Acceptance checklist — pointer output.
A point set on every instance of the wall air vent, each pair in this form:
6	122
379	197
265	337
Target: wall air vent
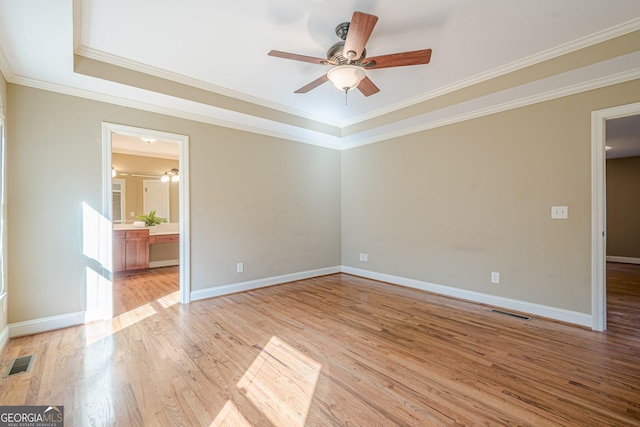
519	316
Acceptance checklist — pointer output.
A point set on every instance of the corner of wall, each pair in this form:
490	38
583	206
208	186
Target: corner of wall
4	337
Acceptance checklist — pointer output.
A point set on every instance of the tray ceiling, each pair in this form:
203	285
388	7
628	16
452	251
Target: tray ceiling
207	61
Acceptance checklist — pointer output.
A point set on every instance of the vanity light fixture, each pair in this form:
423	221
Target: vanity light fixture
113	172
172	175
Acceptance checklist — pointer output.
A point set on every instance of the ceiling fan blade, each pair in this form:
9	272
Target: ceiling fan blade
314	84
360	29
367	87
296	57
415	57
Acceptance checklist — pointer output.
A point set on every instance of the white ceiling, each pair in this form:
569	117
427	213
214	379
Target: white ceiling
149	146
221	48
623	136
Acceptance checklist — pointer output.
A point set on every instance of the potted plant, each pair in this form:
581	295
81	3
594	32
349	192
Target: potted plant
151	219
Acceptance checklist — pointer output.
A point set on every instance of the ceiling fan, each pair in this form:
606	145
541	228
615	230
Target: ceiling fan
349	57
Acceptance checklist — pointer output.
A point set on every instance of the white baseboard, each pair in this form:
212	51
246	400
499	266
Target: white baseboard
4	337
164	263
624	259
560	314
260	283
45	324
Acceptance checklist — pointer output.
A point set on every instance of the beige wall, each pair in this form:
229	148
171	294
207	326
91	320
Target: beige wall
3	96
450	205
446	206
623	207
134	184
270	203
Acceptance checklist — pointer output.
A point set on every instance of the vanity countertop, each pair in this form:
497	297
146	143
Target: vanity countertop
158	230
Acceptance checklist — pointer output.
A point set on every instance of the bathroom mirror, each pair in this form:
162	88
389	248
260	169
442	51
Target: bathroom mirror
140	176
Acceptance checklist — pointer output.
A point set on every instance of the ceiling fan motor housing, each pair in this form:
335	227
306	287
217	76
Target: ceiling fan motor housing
342	30
334	55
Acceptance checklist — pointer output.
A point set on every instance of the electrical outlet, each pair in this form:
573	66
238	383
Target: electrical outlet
132	214
495	277
559	212
240	267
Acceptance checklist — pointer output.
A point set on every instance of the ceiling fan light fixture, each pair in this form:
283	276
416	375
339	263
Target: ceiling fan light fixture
346	77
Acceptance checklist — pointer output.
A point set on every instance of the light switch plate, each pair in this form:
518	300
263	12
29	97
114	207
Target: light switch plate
559	212
240	267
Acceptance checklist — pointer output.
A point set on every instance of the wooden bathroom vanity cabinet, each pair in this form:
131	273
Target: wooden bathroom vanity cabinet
131	247
130	250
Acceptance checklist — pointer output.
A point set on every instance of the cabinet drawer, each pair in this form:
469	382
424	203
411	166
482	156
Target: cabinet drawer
164	238
119	234
137	233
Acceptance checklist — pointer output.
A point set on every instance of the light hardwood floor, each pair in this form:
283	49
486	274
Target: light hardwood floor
132	290
333	351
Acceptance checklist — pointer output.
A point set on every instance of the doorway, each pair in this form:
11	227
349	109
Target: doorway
599	208
111	131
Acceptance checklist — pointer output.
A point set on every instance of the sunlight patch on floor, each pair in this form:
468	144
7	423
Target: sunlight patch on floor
96	331
230	416
280	383
169	300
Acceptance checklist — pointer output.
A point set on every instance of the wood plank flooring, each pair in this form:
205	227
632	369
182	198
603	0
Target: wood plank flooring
337	351
132	290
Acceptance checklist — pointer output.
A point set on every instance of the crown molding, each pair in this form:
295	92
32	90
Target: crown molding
581	43
5	66
498	108
323	140
77	23
311	138
275	129
97	55
566	48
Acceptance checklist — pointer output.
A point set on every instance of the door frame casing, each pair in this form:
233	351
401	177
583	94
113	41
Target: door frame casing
599	209
183	141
